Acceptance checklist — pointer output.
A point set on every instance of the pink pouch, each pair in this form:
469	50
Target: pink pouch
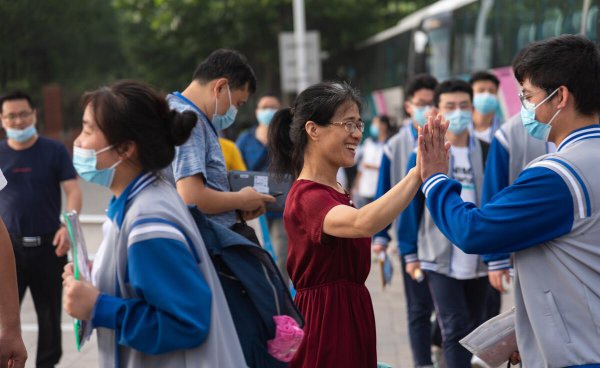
288	336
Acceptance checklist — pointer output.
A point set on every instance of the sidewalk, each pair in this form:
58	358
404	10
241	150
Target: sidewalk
390	316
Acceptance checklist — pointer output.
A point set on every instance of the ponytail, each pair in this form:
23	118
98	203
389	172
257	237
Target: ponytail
281	147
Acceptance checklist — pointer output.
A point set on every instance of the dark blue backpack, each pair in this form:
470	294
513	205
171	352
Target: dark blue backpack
253	286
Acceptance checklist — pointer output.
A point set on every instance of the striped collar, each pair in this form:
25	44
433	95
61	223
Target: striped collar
588	132
116	207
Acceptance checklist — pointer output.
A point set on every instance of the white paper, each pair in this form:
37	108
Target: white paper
261	183
495	340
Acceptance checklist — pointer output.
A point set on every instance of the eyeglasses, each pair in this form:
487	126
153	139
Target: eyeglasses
21	115
351	126
525	98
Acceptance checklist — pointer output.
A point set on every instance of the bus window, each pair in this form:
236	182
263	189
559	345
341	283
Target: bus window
438	48
592	24
572	24
551	25
525	35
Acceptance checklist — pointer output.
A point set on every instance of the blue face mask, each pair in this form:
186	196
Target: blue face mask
84	161
21	135
264	116
535	128
485	103
221	122
459	120
420	114
374	130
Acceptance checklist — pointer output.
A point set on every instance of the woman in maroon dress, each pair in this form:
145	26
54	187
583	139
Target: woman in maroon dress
329	240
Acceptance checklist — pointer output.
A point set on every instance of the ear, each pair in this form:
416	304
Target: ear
127	150
408	108
564	96
219	85
312	129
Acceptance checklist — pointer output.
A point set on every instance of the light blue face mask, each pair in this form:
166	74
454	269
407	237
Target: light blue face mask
374	130
420	114
535	128
84	161
485	102
264	116
21	135
459	120
221	122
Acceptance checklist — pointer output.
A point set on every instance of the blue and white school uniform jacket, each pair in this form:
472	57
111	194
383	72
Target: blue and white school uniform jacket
511	150
550	216
161	302
418	235
396	153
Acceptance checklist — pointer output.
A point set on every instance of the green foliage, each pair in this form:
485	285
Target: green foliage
72	43
84	44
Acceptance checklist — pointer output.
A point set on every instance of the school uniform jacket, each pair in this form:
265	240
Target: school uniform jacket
550	218
162	304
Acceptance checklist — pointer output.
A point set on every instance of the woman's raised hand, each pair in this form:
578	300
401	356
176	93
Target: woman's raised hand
433	148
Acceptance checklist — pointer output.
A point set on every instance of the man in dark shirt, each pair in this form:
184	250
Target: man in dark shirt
36	168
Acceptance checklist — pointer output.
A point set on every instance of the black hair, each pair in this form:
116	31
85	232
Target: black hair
287	137
418	82
484	76
387	121
268	94
450	86
131	111
16	95
568	60
229	64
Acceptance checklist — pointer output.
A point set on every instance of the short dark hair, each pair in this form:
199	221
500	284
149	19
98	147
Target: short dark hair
229	64
418	82
484	76
451	86
287	137
130	111
567	60
15	95
268	94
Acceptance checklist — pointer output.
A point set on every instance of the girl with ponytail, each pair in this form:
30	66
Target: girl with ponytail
329	239
154	297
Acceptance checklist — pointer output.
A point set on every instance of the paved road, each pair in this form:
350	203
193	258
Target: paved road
389	305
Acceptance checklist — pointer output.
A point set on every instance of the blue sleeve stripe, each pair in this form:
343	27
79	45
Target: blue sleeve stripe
580	190
171	225
432	181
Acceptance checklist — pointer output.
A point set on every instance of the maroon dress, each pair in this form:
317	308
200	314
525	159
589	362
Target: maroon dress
329	276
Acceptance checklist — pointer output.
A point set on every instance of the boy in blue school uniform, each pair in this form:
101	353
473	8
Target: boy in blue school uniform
550	216
458	281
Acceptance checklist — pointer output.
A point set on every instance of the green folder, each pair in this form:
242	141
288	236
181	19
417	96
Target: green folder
81	270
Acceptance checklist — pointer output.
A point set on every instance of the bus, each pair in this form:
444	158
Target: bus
453	38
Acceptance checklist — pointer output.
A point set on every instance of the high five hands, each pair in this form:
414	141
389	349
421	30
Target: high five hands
433	153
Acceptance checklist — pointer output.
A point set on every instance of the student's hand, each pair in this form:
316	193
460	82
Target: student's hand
495	278
79	298
433	149
250	215
61	242
68	270
377	248
515	358
413	269
12	349
251	200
